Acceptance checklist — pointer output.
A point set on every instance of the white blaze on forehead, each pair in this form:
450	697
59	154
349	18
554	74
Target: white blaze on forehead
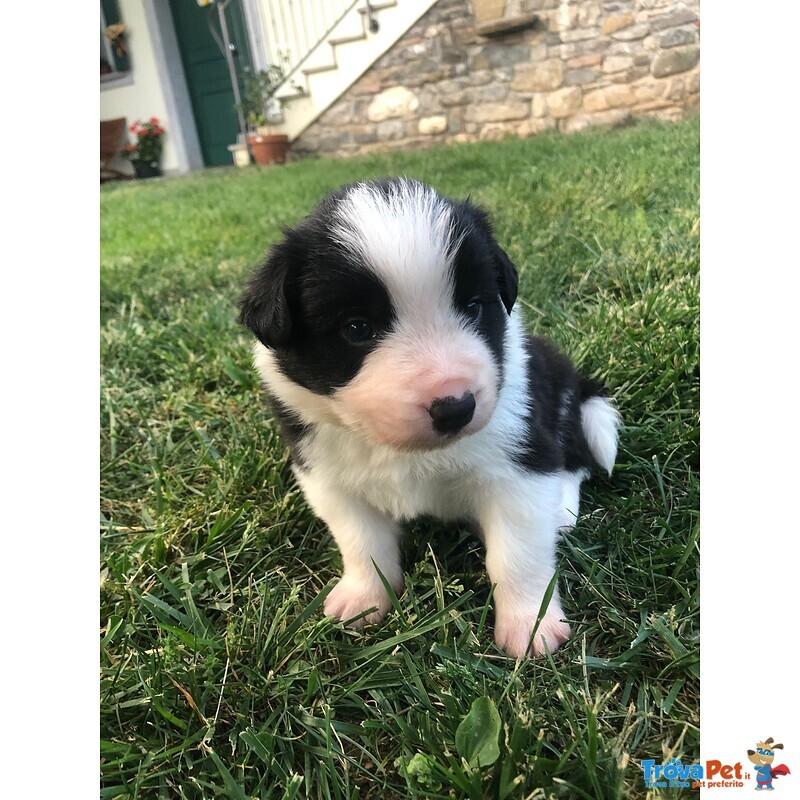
403	233
405	237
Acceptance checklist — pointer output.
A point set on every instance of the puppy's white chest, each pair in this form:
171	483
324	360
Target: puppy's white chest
402	485
405	496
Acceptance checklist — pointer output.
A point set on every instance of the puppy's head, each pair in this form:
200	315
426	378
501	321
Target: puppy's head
385	311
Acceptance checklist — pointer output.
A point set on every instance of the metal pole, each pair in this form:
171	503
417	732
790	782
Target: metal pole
228	53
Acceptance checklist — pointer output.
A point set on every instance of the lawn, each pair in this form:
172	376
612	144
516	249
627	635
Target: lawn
220	676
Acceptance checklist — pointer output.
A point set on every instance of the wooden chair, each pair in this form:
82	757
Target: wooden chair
111	134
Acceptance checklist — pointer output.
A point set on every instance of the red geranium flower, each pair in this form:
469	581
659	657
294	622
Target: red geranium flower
148	146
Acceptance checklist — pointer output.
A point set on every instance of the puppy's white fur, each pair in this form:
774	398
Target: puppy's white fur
374	459
600	421
363	489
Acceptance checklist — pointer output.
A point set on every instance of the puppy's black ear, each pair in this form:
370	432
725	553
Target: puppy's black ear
506	272
507	278
266	307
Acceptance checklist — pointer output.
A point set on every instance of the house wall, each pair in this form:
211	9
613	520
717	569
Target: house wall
583	63
143	97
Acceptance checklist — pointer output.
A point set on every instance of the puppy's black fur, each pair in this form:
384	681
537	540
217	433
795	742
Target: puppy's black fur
309	286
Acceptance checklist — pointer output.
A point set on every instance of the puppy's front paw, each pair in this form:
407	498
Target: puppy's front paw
513	633
351	598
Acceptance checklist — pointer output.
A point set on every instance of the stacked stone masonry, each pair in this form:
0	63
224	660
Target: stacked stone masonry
580	63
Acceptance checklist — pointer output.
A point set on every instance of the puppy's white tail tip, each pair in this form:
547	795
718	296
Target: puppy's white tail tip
600	421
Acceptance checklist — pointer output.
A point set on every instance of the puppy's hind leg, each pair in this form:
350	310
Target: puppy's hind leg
366	538
571	497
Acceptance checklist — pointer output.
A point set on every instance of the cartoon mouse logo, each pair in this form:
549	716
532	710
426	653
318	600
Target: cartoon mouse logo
762	757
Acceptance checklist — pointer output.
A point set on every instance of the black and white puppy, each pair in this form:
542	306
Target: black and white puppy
404	384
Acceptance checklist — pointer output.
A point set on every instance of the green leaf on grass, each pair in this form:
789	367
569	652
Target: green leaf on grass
478	734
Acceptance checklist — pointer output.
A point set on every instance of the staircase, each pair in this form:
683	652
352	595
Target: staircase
320	70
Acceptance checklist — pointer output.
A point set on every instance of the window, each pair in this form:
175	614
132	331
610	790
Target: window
114	59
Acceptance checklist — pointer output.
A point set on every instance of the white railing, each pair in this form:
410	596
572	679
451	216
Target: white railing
293	28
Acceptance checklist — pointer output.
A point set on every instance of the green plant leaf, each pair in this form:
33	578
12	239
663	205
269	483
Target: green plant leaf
478	734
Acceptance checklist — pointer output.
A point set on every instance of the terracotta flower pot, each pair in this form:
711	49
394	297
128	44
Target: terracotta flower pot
270	149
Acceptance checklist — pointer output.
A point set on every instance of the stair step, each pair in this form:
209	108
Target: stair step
350	29
286	93
378	6
346	39
321	59
317	69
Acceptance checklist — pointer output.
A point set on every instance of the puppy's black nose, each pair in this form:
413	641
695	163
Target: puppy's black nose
450	415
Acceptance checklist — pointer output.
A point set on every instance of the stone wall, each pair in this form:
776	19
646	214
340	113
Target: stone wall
560	64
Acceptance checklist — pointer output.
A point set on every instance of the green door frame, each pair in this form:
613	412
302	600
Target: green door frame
182	128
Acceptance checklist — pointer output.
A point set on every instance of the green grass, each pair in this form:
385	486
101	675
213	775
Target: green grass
220	675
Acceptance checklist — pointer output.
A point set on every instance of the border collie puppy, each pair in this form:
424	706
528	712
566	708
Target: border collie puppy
404	384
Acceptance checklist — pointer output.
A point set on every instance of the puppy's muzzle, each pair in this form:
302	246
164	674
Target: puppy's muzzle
450	414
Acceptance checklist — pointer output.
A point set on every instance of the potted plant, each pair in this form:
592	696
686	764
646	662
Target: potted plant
145	155
258	99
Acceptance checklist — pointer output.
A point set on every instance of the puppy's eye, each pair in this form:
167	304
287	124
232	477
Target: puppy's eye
358	331
474	310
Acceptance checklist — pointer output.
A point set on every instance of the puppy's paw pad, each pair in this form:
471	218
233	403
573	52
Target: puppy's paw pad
514	636
349	599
